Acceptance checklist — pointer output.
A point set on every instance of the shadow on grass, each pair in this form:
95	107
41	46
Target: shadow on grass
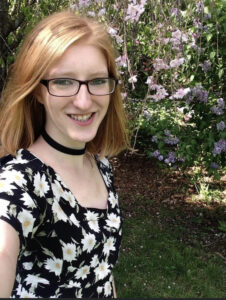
172	245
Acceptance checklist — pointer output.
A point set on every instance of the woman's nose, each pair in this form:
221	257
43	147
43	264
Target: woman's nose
83	99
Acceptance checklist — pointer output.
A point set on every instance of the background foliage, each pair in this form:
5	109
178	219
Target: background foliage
170	60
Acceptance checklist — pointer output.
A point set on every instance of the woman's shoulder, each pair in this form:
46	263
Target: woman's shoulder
21	161
19	168
104	163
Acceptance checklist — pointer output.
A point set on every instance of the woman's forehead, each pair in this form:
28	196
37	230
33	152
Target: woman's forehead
81	58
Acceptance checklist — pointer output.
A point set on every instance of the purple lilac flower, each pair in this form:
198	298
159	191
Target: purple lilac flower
135	11
160	64
171	158
160	157
154	139
102	12
221	126
176	12
150	81
206	66
91	14
219	108
171	141
199	7
147	114
180	93
216	110
207	16
161	93
221	103
133	79
156	153
121	61
176	62
219	147
84	3
199	93
197	23
214	165
167	132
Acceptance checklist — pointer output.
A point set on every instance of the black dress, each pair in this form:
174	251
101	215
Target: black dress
66	250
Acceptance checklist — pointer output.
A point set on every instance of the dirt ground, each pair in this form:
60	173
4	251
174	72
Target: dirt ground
138	178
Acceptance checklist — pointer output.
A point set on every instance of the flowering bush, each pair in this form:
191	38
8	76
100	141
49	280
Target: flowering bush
170	61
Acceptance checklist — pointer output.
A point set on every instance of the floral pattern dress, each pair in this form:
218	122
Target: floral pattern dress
66	250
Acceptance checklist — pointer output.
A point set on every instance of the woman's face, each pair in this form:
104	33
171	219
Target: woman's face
74	121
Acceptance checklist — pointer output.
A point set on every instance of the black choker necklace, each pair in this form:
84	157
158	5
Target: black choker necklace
60	147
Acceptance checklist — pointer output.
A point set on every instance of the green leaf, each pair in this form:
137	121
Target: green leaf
192	78
209	37
212	54
220	73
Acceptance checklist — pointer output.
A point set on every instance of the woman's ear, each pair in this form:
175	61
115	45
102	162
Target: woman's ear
38	94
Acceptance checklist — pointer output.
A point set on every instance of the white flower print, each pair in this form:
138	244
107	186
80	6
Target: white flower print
57	189
69	197
58	212
82	272
26	294
28	265
41	185
54	265
19	158
92	219
113	221
107	179
105	161
113	199
79	294
69	252
102	270
74	284
109	245
28	201
27	221
4	207
89	235
107	289
99	289
95	261
19	289
34	280
88	242
6	186
74	220
15	176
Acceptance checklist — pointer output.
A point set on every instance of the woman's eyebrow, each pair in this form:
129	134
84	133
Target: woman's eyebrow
74	75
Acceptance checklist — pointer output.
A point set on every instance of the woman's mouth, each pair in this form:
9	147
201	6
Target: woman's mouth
82	119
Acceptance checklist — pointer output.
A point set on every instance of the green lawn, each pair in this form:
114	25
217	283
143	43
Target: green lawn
155	262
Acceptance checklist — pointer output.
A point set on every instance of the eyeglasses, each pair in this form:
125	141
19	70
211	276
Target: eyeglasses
67	87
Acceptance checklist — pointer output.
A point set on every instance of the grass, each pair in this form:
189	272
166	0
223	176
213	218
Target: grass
155	262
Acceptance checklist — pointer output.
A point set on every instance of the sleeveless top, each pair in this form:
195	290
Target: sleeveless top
66	250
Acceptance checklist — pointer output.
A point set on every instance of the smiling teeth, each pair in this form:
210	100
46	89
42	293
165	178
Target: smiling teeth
81	117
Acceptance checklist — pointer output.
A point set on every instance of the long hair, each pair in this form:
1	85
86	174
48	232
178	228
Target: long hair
22	116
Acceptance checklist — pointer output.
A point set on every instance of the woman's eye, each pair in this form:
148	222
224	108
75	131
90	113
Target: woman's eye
63	82
99	81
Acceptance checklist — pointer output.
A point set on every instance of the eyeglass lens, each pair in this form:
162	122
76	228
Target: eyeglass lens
69	87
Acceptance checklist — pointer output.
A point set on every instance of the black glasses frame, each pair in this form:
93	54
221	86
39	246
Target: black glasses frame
45	82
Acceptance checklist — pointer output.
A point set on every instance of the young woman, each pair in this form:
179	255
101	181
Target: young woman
61	116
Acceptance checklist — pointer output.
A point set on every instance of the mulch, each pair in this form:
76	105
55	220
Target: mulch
143	186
